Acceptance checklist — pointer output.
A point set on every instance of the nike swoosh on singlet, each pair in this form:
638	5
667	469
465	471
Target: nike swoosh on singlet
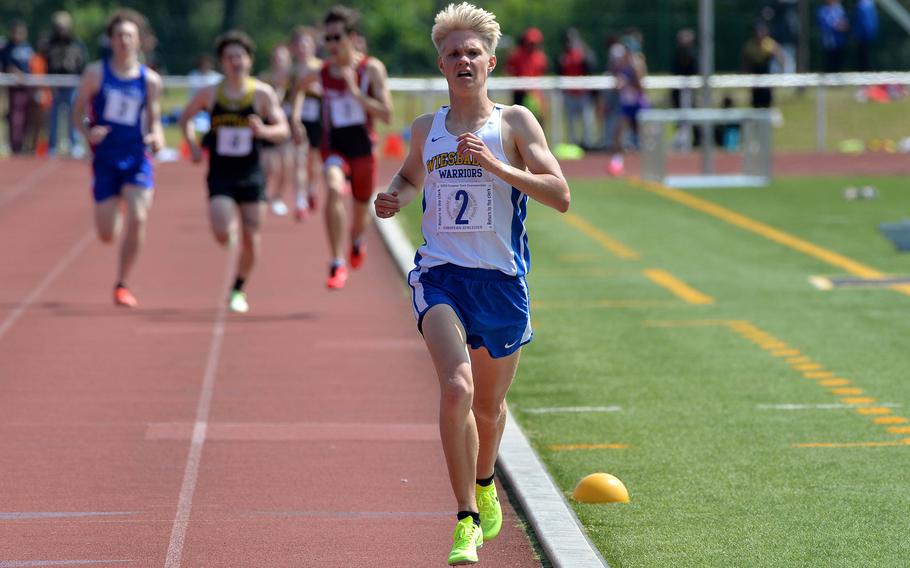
437	138
509	345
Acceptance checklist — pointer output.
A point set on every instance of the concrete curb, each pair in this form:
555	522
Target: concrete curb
557	528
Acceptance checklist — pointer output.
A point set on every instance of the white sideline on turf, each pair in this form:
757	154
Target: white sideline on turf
557	528
570	409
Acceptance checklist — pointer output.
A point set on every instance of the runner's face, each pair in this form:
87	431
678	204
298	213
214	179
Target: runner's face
464	60
338	43
235	61
125	39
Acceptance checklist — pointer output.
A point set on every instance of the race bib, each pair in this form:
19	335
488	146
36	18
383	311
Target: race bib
121	108
346	111
464	207
234	141
310	111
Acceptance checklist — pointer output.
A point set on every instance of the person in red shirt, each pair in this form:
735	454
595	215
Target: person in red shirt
528	60
354	94
576	61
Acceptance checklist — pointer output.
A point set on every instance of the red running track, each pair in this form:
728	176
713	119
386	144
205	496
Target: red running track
300	434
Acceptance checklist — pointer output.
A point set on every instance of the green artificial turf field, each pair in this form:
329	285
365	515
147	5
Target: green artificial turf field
764	428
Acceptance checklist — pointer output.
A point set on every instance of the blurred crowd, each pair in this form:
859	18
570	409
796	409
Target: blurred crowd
37	118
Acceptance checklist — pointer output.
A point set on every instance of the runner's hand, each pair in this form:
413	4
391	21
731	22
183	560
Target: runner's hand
97	134
195	152
256	125
387	205
470	145
154	141
350	78
297	133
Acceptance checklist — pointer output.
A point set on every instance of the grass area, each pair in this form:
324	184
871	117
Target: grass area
715	477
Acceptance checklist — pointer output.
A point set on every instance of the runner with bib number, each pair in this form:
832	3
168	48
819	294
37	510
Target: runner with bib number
354	93
245	112
477	162
124	115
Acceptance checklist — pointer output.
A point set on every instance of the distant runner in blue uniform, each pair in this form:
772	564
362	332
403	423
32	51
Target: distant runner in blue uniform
124	117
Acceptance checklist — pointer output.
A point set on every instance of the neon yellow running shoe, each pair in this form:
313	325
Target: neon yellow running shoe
238	303
490	511
468	538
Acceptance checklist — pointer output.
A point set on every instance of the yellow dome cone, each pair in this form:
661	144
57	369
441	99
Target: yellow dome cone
601	488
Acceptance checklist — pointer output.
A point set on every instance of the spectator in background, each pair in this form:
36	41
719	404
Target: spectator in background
833	23
577	60
632	98
528	60
684	64
783	22
865	30
16	58
758	54
39	104
610	111
65	55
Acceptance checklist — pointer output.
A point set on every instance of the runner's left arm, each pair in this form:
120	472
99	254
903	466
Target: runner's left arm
275	127
542	178
155	136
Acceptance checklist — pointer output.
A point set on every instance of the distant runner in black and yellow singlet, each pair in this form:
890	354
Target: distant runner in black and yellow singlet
245	112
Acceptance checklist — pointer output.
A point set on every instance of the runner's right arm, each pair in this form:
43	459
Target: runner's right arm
201	101
88	88
406	184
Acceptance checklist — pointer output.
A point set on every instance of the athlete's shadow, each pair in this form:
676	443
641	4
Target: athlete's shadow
157	315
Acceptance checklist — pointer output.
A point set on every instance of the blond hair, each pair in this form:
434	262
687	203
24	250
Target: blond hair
466	16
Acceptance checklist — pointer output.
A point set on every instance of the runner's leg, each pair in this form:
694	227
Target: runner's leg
138	203
335	213
445	338
492	378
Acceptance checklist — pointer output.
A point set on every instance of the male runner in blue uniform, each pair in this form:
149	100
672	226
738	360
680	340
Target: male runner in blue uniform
124	117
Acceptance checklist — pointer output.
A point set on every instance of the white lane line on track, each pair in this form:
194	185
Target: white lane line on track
29	181
203	409
61	265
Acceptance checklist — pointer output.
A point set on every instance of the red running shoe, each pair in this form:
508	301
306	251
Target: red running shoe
337	277
358	255
123	297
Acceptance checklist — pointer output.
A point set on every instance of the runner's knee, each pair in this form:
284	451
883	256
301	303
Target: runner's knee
489	413
457	391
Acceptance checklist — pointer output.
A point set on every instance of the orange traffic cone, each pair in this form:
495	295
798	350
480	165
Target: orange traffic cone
394	147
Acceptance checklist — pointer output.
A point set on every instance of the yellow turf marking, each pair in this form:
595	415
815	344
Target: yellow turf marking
767	231
834	383
808	367
773	345
891	420
677	287
847	391
899	429
797	360
858	400
818	374
785	353
603	239
854	444
874	410
568	447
